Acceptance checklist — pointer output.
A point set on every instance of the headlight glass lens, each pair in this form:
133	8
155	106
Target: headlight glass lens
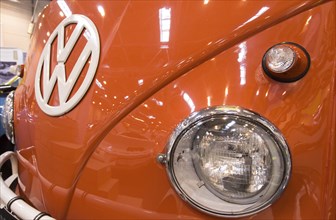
228	161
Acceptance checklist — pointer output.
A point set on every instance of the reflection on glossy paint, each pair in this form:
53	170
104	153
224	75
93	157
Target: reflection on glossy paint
140	82
226	93
308	20
266	95
99	84
260	12
242	60
209	100
206	2
101	10
64	7
138	119
159	103
165	19
189	101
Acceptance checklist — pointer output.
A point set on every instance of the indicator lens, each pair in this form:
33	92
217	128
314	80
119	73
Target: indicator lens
286	62
280	58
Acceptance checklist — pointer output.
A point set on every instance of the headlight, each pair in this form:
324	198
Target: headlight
8	116
228	161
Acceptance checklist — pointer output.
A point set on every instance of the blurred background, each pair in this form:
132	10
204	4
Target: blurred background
15	17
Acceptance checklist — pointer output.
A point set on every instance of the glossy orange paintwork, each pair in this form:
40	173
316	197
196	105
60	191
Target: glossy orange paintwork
99	160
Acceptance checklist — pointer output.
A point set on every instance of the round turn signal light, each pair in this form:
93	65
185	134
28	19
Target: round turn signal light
286	62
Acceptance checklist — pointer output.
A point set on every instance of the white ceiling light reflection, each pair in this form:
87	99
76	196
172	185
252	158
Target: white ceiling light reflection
226	93
308	20
165	20
101	10
209	100
140	82
64	7
158	102
260	12
206	2
189	101
99	84
242	60
230	124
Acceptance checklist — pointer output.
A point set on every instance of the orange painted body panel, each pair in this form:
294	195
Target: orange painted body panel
99	159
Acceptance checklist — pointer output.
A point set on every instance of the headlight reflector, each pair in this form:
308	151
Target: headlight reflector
228	161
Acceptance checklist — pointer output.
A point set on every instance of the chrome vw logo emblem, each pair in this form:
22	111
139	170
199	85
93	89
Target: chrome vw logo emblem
45	81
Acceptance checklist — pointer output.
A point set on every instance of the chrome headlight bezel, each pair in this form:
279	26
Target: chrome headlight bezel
197	119
7	119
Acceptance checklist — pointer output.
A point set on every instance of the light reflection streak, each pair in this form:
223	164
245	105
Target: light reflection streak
99	84
64	7
101	10
189	101
230	124
138	119
226	93
242	60
209	100
260	12
308	20
158	102
165	20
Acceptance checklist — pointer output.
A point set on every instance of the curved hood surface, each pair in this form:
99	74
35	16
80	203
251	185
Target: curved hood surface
142	47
